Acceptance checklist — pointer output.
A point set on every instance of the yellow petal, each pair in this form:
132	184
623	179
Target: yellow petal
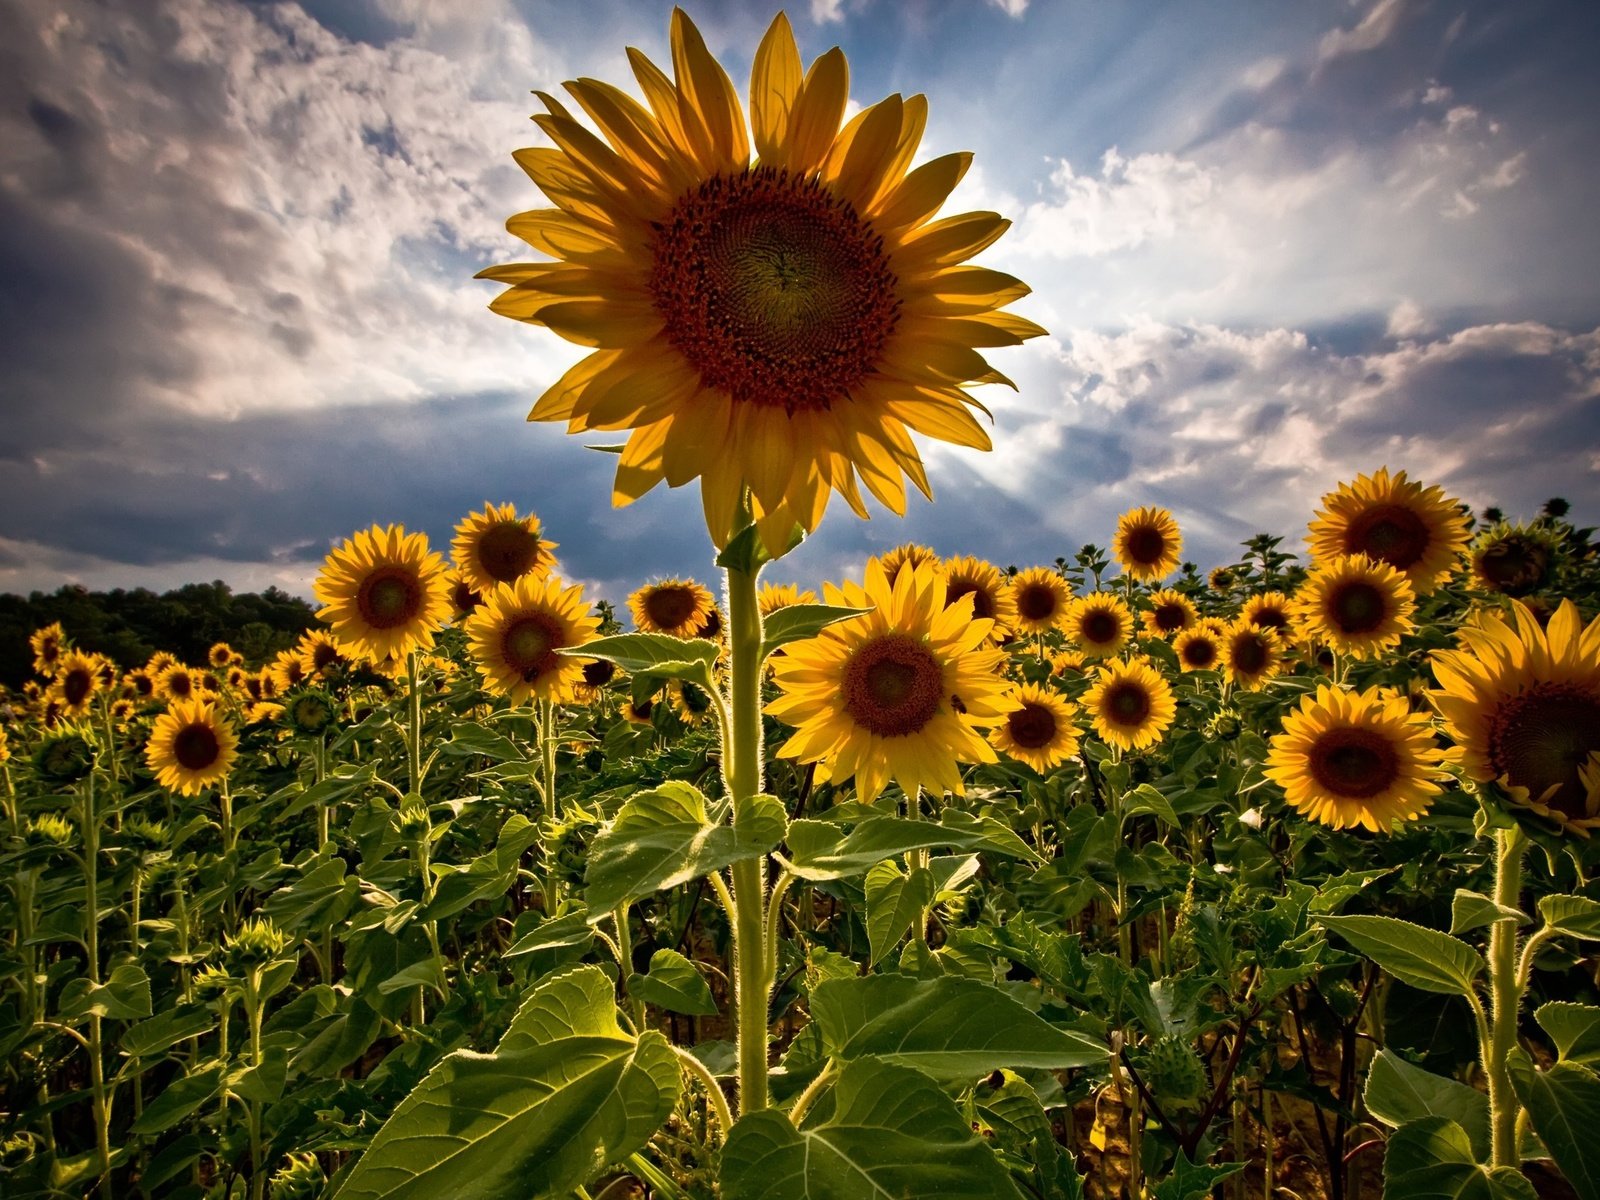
919	195
640	467
559	398
774	83
707	97
814	120
557	234
947	242
601	323
855	165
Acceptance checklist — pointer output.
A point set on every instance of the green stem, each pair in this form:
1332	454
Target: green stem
1505	997
254	1007
91	920
743	771
414	726
713	1090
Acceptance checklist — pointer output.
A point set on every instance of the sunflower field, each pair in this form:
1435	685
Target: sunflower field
1099	878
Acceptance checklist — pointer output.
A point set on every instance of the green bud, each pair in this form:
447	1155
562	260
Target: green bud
65	756
51	829
300	1178
258	943
1174	1072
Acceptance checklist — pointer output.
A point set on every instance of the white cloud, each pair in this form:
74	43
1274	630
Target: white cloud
825	12
1371	32
1132	201
1012	8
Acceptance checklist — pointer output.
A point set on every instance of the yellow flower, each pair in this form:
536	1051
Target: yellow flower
1270	610
1350	759
1100	624
220	655
1417	530
1357	605
288	670
463	596
47	645
191	747
1147	543
384	592
1170	613
319	653
782	325
776	596
496	546
897	693
676	607
178	682
514	638
1130	704
1523	706
1037	728
1042	598
1069	663
991	598
76	682
1513	559
1251	654
909	554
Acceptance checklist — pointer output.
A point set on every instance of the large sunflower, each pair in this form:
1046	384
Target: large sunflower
1170	613
1147	543
985	583
1417	530
384	592
1099	624
1357	605
677	607
1042	598
496	546
1037	728
515	635
191	747
896	693
1348	759
782	324
1130	704
1523	705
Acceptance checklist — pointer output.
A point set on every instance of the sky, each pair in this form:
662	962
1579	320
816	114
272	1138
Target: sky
1275	246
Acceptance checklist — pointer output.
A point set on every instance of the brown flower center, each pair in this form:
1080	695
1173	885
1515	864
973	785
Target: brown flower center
389	597
893	685
1353	763
1250	656
142	683
1199	653
464	597
507	551
180	685
1270	617
1100	627
1512	564
528	645
1357	607
1037	602
983	605
599	672
669	606
1171	617
1032	727
1144	545
774	289
1126	702
76	685
1391	532
196	747
323	655
1539	739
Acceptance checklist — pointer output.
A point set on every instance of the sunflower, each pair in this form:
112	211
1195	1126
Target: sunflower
775	596
47	644
5	747
1171	612
1069	664
985	583
1513	559
77	681
1100	624
1251	654
515	636
319	654
220	655
1348	759
1417	530
1147	543
140	682
782	325
1130	704
191	747
177	682
1037	728
676	607
909	554
638	711
1220	579
463	596
1270	610
1357	605
597	673
496	546
384	592
159	662
896	693
288	670
1523	706
1042	598
693	704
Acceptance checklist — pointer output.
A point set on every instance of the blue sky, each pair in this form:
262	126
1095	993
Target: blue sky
1275	245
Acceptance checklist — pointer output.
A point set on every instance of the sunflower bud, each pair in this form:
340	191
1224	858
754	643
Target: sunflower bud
51	829
1224	726
258	943
300	1178
65	756
309	711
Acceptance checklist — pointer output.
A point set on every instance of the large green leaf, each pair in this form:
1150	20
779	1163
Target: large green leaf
1564	1105
665	837
822	850
1424	958
891	1133
486	876
564	1093
1575	915
1432	1159
949	1026
800	621
125	996
655	654
674	983
1473	910
1575	1029
895	903
1398	1093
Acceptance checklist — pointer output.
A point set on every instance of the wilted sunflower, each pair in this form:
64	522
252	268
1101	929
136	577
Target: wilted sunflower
1099	624
896	693
47	645
76	682
1357	605
782	324
514	638
1419	531
1170	613
1270	610
909	554
384	593
776	596
1351	759
1147	543
496	546
1251	654
676	607
1513	559
984	582
191	747
1130	704
1037	728
1523	705
1042	598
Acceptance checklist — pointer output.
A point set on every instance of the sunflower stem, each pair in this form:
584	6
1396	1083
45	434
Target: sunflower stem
91	930
1505	997
743	768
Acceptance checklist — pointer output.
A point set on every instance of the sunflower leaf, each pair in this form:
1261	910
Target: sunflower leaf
800	621
1575	1029
895	902
1432	1159
674	984
1577	916
654	654
746	552
821	850
1398	1092
1564	1105
1424	958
